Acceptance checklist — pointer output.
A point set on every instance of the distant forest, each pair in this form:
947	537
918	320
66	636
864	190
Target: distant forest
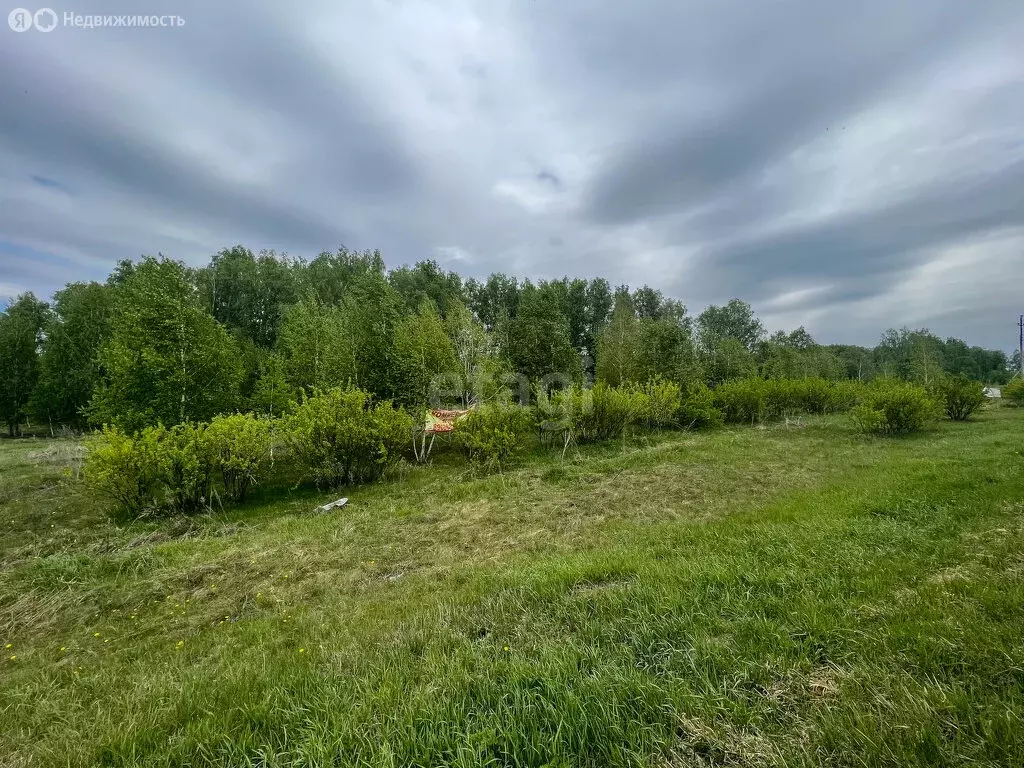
161	342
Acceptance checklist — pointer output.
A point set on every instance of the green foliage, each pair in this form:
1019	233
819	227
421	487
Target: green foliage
665	350
1013	393
736	320
494	435
797	355
811	395
617	345
167	360
338	436
271	393
186	466
959	396
426	281
642	343
697	409
728	359
240	445
425	358
248	294
743	400
155	471
124	469
539	343
893	407
658	403
69	368
754	399
476	361
316	346
844	395
597	414
21	329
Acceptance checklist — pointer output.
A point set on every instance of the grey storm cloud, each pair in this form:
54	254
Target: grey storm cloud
843	166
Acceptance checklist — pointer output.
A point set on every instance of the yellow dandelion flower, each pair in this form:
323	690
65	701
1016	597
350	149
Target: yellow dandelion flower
9	645
95	634
63	648
106	640
14	658
506	648
302	650
180	643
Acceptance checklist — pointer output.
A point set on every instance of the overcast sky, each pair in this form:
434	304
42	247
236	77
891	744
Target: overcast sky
847	166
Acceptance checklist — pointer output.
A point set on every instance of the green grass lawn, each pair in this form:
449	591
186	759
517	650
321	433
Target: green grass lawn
791	595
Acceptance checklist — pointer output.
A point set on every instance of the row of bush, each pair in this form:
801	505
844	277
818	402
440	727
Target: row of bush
338	437
333	438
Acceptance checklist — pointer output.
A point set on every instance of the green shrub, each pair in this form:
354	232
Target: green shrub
657	404
494	435
600	413
812	395
337	436
1013	393
698	409
959	397
844	395
156	471
186	466
240	446
743	400
755	399
894	408
123	470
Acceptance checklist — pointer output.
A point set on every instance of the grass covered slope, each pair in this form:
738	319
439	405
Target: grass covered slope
787	595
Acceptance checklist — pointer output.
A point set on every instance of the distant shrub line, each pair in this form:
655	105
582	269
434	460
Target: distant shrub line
338	436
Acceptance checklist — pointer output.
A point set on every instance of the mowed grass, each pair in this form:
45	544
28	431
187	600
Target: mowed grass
793	595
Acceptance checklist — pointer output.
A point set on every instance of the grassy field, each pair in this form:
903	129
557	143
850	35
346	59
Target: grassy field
791	595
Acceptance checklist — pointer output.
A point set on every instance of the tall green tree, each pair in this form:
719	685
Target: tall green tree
373	311
857	362
539	343
247	293
425	358
331	276
599	308
317	346
911	355
69	367
471	344
494	299
728	359
21	335
271	393
665	350
167	360
426	280
618	344
736	320
796	355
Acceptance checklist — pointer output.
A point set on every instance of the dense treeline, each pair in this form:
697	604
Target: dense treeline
163	343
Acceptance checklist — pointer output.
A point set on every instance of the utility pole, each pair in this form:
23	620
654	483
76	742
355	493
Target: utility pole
1020	323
